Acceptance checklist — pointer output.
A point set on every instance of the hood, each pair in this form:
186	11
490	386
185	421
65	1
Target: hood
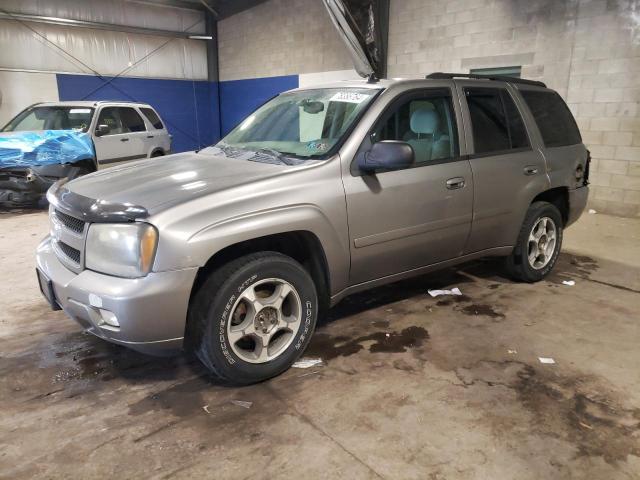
45	147
159	183
362	42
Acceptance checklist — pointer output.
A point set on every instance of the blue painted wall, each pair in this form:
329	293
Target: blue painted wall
238	98
195	113
189	108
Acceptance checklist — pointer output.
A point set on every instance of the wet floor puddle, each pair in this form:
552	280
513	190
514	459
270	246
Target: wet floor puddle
329	347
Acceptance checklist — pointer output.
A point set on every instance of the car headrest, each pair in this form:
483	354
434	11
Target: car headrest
424	120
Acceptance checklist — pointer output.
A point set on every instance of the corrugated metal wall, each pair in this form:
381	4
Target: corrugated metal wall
41	62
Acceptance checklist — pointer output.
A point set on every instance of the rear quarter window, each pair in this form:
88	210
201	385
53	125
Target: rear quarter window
153	118
553	118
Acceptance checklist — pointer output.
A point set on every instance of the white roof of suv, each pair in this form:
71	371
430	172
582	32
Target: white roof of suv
91	103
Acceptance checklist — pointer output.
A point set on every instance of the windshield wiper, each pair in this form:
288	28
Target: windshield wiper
277	154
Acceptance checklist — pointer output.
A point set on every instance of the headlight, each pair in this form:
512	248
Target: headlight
123	250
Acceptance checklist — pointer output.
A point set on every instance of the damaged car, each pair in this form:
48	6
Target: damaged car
50	141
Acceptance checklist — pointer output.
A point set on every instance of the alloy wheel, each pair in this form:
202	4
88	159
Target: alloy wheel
264	320
542	243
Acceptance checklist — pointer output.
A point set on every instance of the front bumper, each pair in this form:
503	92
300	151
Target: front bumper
151	311
577	203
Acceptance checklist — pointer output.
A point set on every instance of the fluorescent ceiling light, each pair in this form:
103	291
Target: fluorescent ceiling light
200	37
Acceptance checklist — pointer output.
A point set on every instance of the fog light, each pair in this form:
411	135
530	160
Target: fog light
109	318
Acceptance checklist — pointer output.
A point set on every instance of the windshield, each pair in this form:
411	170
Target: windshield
303	124
51	118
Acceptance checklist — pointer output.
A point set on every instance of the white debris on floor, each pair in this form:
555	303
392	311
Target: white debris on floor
570	283
307	363
547	360
453	291
242	403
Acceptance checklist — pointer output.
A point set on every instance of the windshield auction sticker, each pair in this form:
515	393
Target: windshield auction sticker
349	97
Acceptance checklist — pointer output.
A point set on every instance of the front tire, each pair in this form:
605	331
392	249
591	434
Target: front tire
538	245
253	317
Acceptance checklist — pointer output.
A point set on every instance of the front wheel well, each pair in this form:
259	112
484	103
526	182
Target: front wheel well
303	246
559	197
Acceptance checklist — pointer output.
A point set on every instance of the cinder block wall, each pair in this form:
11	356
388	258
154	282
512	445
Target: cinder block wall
280	37
588	50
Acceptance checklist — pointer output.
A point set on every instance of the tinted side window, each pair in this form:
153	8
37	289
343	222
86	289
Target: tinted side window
488	121
497	125
131	120
427	123
153	118
555	122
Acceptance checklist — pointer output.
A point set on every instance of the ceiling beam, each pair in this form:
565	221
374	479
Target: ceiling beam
186	4
21	17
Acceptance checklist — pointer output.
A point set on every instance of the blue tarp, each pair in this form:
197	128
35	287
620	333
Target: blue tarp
47	147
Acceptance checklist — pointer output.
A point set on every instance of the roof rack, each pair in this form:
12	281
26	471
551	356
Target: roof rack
503	78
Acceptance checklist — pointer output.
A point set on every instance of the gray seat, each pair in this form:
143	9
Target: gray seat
427	142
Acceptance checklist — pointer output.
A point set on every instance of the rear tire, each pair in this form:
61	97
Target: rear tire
538	245
253	317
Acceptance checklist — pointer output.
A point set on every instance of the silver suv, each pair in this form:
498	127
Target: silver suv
235	249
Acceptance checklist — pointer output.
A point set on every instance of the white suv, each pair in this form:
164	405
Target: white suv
120	131
117	132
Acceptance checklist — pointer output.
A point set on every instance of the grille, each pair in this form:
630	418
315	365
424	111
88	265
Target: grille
70	222
72	253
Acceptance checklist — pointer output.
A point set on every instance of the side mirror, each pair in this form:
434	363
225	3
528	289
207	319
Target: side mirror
102	130
387	155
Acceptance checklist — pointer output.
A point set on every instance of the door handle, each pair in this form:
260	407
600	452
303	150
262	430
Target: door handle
455	183
530	170
149	136
124	139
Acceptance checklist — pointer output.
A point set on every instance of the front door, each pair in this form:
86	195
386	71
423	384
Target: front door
405	219
507	171
125	139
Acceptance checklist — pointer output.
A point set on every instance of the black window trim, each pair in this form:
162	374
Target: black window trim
420	92
498	153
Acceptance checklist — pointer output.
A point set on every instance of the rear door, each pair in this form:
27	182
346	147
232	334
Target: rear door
405	219
125	139
564	151
508	172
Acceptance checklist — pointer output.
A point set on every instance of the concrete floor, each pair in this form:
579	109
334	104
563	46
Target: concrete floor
412	387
